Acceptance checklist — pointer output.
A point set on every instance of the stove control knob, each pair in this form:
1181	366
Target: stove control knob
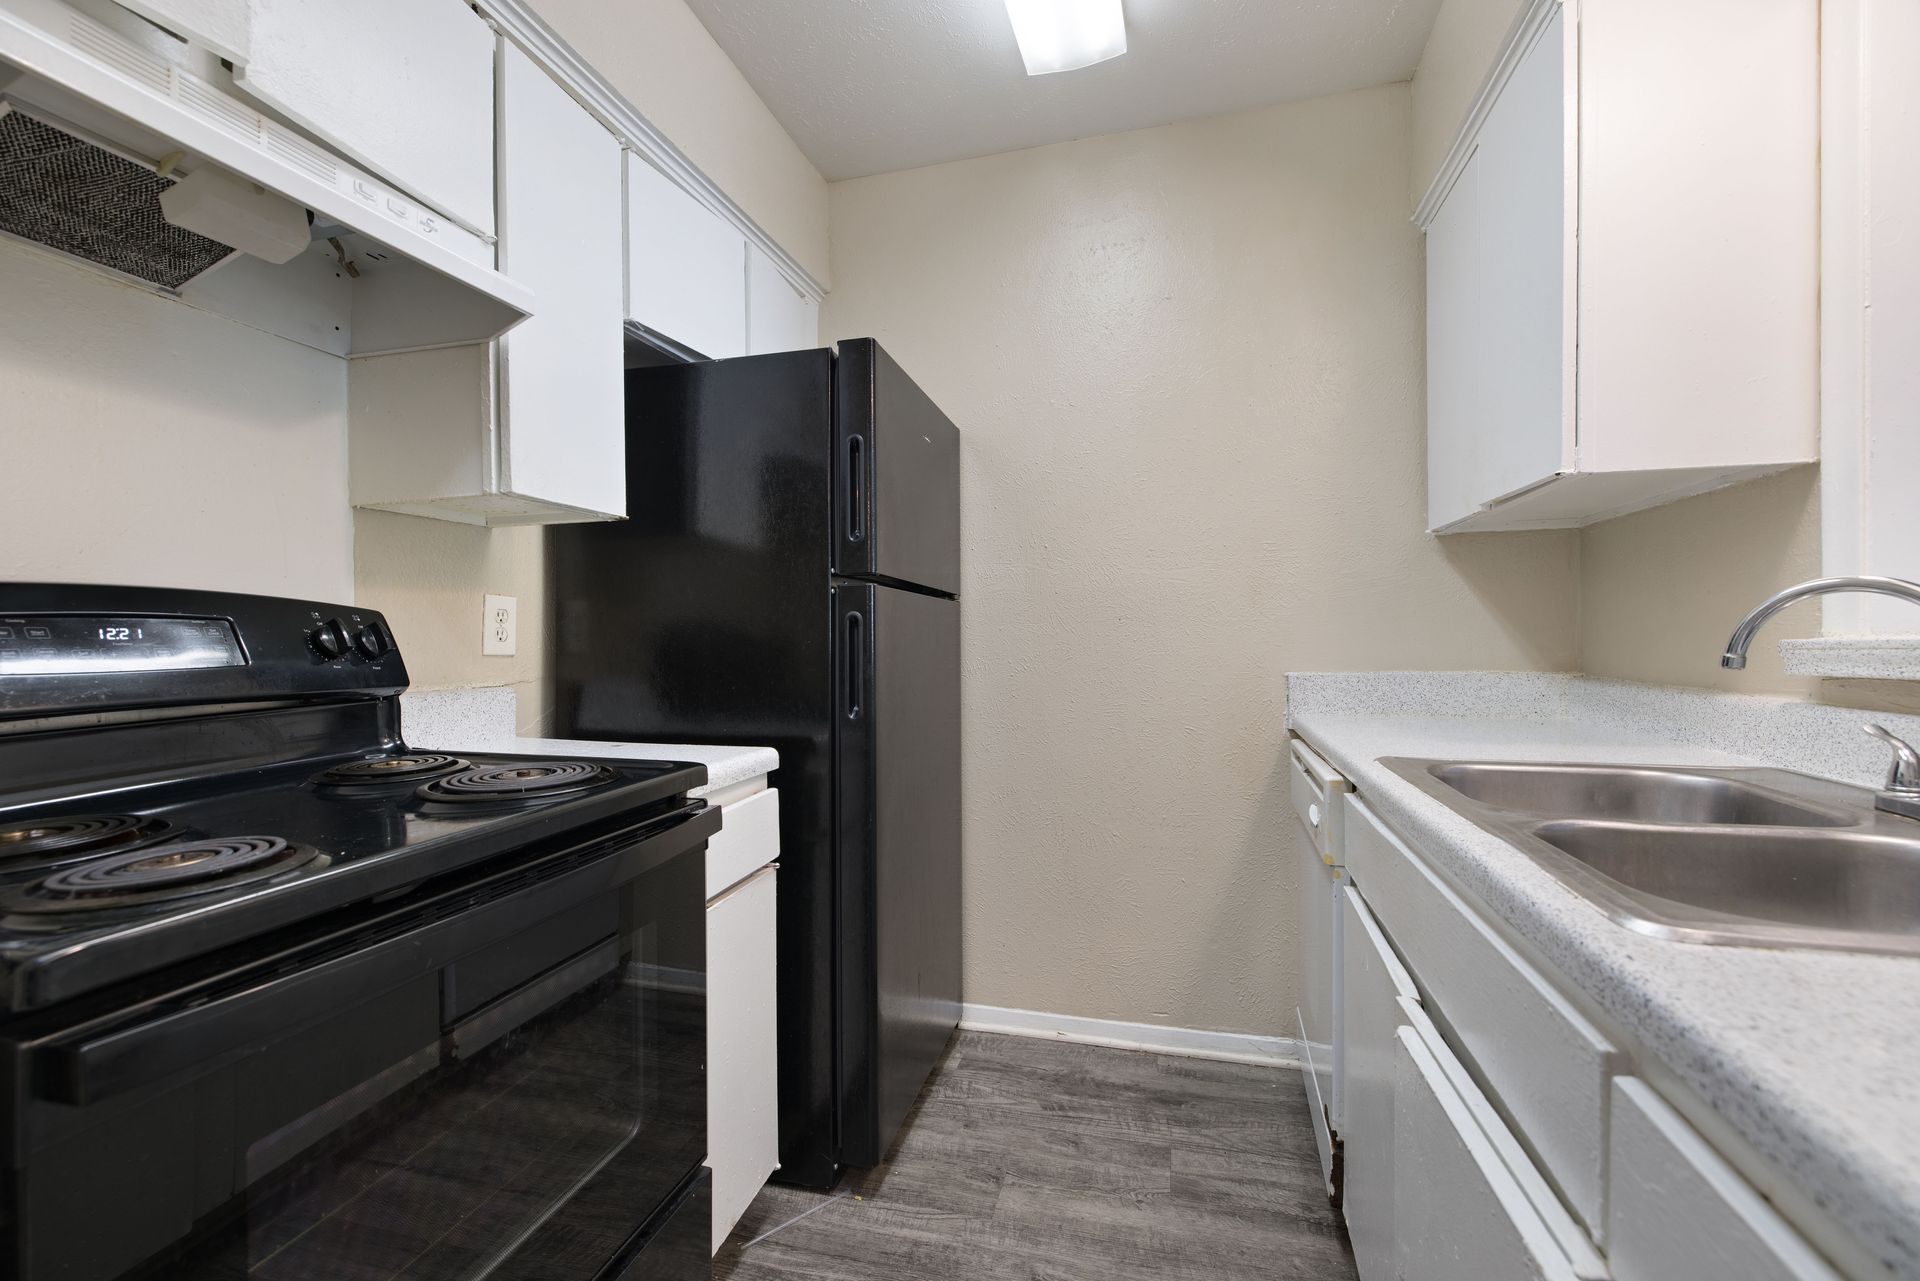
372	641
330	639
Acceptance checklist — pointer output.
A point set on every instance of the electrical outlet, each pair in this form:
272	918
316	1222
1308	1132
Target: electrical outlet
500	629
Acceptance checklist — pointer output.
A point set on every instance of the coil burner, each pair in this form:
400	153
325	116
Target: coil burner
54	842
515	781
163	873
376	770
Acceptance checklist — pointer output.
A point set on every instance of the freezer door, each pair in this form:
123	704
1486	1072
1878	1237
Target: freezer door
898	774
897	475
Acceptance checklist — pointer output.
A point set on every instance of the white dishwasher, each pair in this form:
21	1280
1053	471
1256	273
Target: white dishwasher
1320	866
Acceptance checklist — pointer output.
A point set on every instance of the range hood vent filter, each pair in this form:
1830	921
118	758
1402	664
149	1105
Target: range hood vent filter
77	197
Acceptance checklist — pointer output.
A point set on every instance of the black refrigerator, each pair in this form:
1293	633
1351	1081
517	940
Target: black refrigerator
789	575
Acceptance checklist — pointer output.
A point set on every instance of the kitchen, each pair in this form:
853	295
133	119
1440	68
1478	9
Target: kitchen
1229	904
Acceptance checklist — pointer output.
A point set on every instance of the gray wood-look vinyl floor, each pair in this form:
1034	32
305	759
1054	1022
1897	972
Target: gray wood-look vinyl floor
1033	1160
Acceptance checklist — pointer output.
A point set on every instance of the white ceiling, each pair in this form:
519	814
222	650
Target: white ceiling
869	86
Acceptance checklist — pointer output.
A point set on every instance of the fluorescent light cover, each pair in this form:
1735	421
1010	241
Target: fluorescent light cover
1065	35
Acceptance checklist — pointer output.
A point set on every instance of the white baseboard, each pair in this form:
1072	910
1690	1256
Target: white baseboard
1230	1047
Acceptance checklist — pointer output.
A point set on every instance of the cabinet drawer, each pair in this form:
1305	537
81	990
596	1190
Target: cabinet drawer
748	840
1676	1209
1317	788
1458	1213
1546	1065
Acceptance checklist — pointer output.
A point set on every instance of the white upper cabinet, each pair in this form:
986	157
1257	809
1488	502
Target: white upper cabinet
779	316
1622	264
532	429
686	266
405	89
563	398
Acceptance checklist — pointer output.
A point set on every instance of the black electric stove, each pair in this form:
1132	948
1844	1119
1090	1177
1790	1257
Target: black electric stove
301	1001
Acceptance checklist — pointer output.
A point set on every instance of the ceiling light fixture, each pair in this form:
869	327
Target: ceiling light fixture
1065	35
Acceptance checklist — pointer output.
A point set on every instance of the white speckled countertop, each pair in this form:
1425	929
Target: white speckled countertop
472	720
1813	1057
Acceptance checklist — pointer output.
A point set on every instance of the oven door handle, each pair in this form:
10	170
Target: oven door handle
79	1069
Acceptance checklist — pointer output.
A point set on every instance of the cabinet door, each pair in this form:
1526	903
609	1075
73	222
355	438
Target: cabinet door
743	1105
1677	1209
562	404
1458	1215
224	26
779	317
686	266
1372	985
1497	251
406	89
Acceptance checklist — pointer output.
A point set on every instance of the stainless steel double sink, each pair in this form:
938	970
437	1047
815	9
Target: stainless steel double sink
1752	857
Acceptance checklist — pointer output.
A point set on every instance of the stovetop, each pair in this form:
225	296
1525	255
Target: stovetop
125	880
188	775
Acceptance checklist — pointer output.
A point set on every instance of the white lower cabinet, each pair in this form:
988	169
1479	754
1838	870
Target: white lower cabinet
1491	1131
743	1115
1458	1212
1373	985
1548	1064
1677	1209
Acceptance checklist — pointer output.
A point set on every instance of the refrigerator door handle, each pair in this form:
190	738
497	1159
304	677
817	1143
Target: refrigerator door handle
856	489
856	663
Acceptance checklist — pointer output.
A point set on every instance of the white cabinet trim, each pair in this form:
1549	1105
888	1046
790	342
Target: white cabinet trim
1870	204
1520	39
519	23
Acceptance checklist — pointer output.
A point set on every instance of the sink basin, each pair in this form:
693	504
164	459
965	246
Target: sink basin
1858	882
1635	794
1751	857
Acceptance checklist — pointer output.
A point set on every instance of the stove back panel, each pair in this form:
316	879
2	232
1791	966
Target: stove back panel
71	648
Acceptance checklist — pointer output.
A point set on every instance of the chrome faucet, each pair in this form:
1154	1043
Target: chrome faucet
1902	793
1736	655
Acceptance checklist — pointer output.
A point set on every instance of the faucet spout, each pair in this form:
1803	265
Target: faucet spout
1742	639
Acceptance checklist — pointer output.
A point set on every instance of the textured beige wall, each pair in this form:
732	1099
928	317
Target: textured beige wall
143	441
1466	38
1661	590
430	578
1186	366
661	59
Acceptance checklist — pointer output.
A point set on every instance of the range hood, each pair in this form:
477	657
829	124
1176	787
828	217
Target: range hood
99	119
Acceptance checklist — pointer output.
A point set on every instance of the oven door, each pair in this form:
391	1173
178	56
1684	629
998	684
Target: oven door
504	1081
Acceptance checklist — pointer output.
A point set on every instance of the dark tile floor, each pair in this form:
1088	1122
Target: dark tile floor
1049	1161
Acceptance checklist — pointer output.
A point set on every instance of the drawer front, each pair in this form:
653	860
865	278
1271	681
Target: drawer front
1316	789
1458	1214
748	840
1545	1063
1675	1208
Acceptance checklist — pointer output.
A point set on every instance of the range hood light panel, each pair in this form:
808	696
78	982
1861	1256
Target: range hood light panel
1065	35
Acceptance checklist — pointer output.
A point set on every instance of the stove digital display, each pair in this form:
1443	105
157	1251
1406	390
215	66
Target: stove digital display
88	644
